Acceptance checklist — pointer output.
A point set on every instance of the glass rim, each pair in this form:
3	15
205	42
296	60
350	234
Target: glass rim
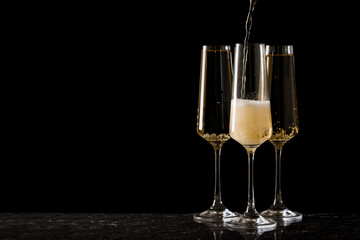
216	47
280	45
251	44
280	49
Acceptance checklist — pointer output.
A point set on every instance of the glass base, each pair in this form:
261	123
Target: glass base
211	215
251	222
283	215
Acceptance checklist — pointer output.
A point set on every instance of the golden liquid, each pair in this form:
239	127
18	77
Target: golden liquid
213	111
250	122
281	74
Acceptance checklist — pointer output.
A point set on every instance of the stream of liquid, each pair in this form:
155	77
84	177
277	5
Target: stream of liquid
248	25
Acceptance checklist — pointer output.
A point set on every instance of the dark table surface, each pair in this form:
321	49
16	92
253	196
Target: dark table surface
164	226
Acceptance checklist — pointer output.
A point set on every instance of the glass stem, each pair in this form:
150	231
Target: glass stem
278	203
250	210
217	204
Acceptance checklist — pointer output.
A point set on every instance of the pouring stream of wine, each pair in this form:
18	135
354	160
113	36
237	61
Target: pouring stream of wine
246	42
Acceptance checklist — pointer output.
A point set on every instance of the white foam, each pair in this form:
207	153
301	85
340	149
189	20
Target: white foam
248	102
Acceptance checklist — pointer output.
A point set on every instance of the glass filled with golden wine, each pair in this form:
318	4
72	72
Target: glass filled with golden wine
213	116
284	112
250	122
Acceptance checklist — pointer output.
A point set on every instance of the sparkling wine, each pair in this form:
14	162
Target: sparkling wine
250	122
213	111
283	103
222	137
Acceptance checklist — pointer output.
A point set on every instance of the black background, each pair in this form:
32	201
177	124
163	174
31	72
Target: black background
100	108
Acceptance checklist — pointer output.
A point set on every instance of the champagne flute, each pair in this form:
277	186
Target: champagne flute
250	121
281	74
213	117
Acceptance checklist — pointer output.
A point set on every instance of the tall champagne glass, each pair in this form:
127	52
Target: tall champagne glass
281	74
250	121
213	117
